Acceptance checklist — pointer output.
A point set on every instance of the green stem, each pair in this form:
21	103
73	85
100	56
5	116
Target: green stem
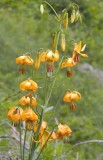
24	143
57	39
49	95
44	145
45	87
52	8
32	72
10	96
20	140
41	119
33	147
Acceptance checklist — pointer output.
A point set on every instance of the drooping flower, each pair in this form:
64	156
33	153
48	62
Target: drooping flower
29	85
63	130
44	126
15	114
27	101
44	134
49	56
68	62
78	48
71	96
29	115
25	60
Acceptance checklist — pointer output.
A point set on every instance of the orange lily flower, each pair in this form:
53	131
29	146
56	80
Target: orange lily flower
69	62
46	136
44	126
26	101
71	96
29	115
49	56
24	60
63	130
77	51
15	114
29	85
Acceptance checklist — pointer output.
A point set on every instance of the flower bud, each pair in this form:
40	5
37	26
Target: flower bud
63	42
73	106
69	73
72	18
53	43
37	61
41	8
66	21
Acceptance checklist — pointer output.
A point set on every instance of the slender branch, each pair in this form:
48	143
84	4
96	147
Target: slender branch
9	137
20	137
89	141
24	143
14	138
10	96
44	145
52	9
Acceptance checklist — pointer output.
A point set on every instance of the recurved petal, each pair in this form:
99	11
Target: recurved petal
84	55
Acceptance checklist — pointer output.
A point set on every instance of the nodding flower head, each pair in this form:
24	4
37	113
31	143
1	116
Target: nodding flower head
29	115
71	96
78	49
24	60
29	85
27	101
15	114
63	130
49	56
68	62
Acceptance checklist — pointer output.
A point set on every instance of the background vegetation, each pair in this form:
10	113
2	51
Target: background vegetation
23	29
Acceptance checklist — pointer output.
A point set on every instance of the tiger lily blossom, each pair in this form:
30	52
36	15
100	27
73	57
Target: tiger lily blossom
29	85
71	96
15	114
78	49
63	130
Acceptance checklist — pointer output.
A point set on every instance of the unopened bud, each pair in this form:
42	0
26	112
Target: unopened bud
73	106
72	18
63	42
69	73
22	69
37	61
53	43
41	8
66	21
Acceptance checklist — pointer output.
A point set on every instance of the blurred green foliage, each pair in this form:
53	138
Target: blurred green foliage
23	29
